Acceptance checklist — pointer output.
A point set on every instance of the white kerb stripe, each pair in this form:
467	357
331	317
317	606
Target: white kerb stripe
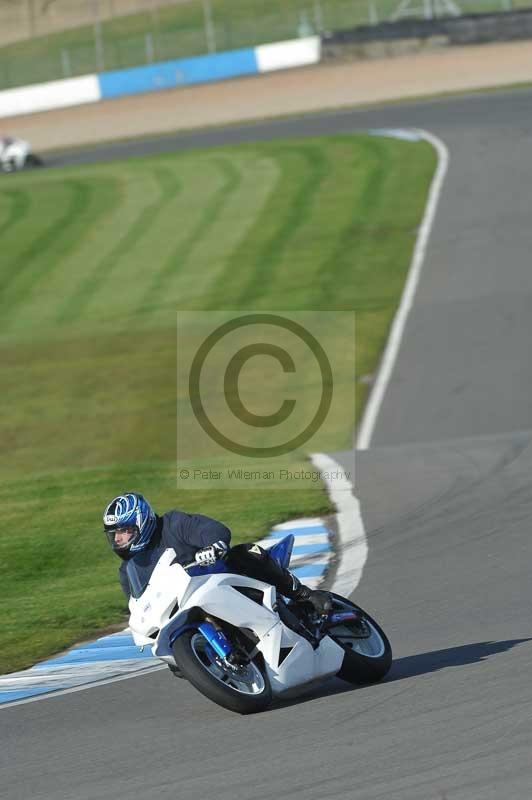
311	538
394	340
304	522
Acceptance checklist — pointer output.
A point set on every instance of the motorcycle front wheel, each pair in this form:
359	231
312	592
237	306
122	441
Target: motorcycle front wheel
368	653
244	689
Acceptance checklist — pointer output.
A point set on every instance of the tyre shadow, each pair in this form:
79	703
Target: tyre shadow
424	663
410	667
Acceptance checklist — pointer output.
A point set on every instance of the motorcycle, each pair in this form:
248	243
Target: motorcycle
242	644
16	154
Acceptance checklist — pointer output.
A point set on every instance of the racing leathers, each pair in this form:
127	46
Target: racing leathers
191	534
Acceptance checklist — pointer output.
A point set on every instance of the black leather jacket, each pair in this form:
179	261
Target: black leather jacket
186	533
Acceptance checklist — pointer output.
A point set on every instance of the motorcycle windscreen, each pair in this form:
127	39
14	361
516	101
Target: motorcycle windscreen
140	567
282	551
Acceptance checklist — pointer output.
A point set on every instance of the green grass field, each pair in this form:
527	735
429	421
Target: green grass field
179	31
95	263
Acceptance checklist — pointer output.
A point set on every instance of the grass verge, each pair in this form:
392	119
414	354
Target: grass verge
95	263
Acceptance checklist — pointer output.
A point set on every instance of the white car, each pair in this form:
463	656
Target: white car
16	154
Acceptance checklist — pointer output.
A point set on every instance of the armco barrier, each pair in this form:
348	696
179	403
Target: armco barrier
165	75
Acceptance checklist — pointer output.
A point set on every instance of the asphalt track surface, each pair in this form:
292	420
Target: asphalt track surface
446	497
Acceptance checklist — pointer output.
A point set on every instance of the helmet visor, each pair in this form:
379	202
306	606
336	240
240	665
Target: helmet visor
121	539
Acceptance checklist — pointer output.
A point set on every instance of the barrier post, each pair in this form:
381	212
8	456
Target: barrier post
209	26
65	63
318	16
98	39
150	50
32	19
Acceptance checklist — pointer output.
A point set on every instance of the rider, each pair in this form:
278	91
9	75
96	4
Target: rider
134	530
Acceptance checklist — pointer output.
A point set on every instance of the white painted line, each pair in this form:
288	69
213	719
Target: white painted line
73	674
352	548
394	340
53	694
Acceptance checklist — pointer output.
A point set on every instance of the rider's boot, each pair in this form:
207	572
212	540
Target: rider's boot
256	562
299	593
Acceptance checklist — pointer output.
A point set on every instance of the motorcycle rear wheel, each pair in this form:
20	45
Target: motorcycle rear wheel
367	659
245	690
33	161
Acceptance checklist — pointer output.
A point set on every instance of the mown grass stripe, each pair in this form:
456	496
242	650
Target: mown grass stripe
59	285
18	208
60	238
41	210
169	187
191	286
357	235
133	274
262	249
274	249
178	259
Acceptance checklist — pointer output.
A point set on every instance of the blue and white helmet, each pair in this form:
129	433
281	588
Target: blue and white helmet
129	513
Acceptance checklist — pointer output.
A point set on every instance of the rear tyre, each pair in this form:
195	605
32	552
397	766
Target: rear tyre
245	690
33	161
368	653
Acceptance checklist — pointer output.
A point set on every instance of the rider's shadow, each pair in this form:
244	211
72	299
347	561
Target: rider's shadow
413	666
424	663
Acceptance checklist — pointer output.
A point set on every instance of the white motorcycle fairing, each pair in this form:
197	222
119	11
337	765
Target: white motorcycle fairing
175	601
13	154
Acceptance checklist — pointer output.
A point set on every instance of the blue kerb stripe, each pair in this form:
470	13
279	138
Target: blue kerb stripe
21	694
110	641
297	531
309	571
88	656
183	72
324	547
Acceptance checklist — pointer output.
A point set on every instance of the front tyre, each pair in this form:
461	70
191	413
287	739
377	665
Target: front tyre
368	653
243	689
